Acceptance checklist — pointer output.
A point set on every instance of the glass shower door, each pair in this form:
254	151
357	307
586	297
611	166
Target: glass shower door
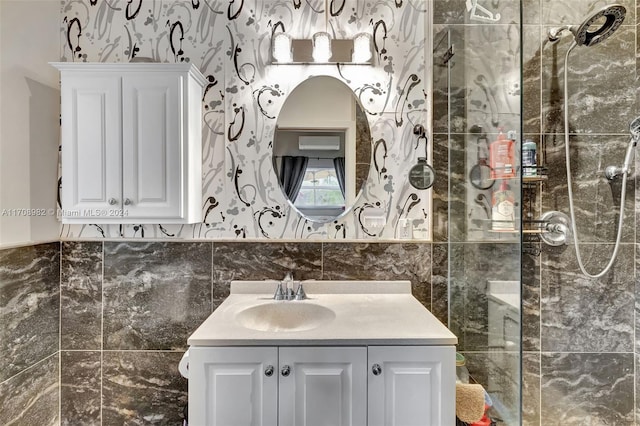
477	114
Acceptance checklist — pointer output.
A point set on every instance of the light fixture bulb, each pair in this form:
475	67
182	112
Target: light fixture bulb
321	47
361	48
281	45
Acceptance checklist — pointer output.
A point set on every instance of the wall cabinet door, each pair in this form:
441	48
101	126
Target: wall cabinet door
322	386
233	386
92	152
411	386
152	145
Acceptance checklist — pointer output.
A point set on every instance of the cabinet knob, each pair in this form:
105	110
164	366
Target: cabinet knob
127	202
376	369
268	371
286	370
113	201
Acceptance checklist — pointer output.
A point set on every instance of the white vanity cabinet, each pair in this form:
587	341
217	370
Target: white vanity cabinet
131	143
322	386
410	385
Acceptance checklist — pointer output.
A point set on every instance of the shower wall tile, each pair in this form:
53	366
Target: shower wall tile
531	389
81	296
449	86
440	84
488	13
141	388
600	101
492	77
381	261
531	301
457	223
587	388
439	282
155	294
597	202
579	314
263	261
449	12
440	188
499	373
637	300
29	306
531	12
32	396
531	79
572	12
472	265
80	388
637	388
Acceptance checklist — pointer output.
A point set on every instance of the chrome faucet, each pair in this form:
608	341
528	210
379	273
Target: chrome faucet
285	292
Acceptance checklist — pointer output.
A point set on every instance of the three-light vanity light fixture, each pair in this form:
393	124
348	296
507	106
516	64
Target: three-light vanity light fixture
321	49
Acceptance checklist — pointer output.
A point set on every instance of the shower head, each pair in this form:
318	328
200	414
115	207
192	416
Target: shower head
584	35
634	129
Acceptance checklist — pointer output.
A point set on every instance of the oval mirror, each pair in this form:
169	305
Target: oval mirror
322	148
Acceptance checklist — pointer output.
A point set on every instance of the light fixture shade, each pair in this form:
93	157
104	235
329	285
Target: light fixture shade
321	47
362	48
281	48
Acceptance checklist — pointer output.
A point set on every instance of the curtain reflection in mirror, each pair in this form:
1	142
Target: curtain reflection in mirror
338	164
292	171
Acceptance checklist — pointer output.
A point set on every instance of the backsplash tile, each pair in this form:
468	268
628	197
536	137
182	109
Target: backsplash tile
29	306
381	261
155	294
32	396
263	261
80	388
141	388
81	296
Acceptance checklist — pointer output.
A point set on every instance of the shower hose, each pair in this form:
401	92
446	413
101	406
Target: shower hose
625	169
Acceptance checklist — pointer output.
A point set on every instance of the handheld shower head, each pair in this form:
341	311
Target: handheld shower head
613	15
584	35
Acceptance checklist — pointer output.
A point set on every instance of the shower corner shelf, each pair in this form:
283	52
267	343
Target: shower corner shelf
532	229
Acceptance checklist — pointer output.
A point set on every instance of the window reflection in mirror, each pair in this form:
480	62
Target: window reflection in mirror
322	148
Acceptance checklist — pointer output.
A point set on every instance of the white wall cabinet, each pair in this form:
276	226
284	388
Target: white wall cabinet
131	143
322	386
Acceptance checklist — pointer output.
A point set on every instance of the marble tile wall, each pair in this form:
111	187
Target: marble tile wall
579	334
128	308
30	334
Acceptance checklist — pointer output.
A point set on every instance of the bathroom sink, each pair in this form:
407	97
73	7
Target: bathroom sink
285	316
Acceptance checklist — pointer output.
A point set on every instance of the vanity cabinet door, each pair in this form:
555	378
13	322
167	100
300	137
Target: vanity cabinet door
411	386
322	386
233	386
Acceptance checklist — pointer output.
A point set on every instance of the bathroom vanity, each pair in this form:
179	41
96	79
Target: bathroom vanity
353	353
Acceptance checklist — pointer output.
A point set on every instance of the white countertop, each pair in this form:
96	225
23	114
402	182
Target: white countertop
366	313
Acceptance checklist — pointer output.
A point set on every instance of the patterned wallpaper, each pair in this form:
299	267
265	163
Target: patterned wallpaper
229	42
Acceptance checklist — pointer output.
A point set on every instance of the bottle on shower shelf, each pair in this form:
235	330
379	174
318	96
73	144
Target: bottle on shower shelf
529	164
503	211
501	157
